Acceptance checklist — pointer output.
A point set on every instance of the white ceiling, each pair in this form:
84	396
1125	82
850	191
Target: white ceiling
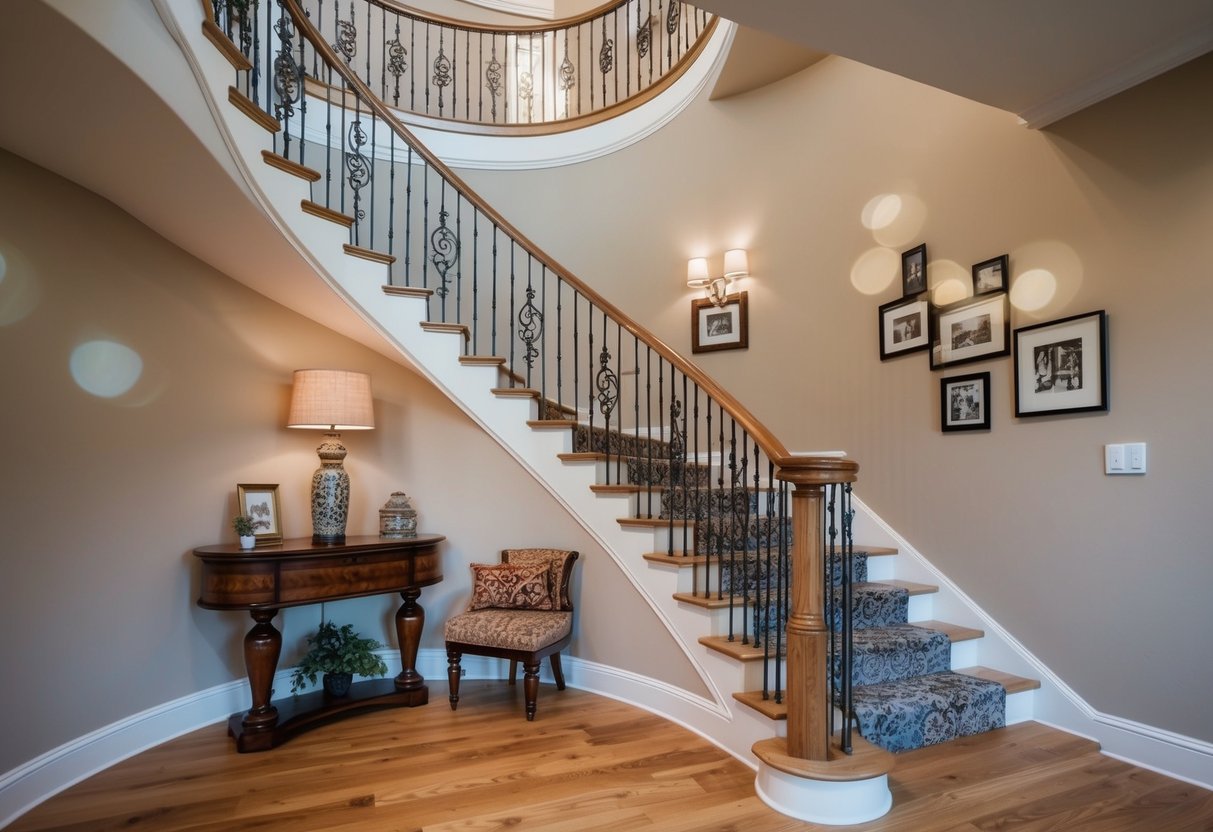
1039	59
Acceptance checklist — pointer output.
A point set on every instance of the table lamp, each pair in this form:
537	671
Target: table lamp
332	401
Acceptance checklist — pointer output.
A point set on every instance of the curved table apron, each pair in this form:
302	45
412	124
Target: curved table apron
297	572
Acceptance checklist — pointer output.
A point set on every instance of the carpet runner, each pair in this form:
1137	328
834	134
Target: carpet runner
905	696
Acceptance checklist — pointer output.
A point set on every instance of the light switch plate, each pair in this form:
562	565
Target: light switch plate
1114	459
1125	458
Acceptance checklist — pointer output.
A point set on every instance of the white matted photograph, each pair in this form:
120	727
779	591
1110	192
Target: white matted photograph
903	327
970	330
964	402
1062	366
720	327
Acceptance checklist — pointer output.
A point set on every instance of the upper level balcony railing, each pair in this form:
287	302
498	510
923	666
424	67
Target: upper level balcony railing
521	79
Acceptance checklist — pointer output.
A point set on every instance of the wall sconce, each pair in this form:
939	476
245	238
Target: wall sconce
716	289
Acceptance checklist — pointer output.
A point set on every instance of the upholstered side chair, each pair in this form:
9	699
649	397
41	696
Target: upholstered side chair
520	611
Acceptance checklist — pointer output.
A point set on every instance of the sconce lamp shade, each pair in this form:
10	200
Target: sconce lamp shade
736	263
331	400
697	273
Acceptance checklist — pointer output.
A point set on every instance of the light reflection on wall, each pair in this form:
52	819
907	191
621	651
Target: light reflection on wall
105	369
1048	276
19	292
903	229
952	282
875	270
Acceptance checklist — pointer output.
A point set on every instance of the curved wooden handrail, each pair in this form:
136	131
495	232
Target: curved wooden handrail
793	467
563	125
530	28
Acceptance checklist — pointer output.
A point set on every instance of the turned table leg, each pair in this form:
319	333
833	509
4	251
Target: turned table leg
262	646
410	618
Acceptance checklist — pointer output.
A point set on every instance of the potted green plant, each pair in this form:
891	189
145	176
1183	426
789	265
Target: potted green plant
338	653
243	524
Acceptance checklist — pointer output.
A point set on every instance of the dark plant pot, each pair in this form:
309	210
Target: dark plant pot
337	684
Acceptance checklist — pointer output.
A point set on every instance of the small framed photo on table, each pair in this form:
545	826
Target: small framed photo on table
964	402
914	271
724	327
990	276
970	330
260	502
903	327
1062	366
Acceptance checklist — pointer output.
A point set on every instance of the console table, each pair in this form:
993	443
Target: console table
297	572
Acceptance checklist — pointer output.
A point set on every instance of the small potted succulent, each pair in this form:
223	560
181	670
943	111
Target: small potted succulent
338	653
243	524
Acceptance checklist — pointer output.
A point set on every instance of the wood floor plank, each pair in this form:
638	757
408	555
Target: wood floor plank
588	763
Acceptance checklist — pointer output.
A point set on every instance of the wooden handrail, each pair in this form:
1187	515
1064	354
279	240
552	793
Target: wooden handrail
487	28
803	467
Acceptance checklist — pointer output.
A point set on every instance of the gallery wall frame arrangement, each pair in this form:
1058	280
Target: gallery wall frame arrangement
1061	366
904	327
990	275
964	402
914	271
260	502
724	327
972	329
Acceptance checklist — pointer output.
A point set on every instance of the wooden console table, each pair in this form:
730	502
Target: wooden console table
298	572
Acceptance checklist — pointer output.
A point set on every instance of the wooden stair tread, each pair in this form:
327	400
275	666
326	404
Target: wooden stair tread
286	165
245	105
578	456
453	329
654	522
767	707
709	603
515	392
954	632
734	648
224	44
407	291
910	586
318	210
1012	683
369	254
482	360
678	559
552	424
625	488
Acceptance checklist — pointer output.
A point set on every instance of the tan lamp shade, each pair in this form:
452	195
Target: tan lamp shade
331	400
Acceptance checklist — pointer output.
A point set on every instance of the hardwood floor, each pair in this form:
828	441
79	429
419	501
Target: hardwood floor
588	763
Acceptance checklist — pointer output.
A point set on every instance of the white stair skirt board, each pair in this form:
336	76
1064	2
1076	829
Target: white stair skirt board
818	801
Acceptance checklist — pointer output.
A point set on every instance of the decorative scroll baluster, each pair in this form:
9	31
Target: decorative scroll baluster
358	168
347	34
442	72
530	326
492	79
444	253
288	77
397	63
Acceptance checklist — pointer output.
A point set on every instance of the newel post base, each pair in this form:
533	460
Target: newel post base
842	790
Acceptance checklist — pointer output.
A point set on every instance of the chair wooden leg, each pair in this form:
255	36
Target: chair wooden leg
530	685
452	676
513	670
557	671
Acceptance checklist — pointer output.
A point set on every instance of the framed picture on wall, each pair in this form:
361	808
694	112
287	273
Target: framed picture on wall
260	502
724	327
970	330
990	275
903	327
964	402
914	271
1062	366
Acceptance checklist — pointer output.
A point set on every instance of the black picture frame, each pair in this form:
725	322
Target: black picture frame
991	275
1061	366
973	329
914	271
964	402
724	327
904	327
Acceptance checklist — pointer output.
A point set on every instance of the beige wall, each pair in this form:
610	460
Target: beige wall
1105	579
105	498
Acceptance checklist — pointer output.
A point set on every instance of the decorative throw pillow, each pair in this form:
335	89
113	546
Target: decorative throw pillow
511	586
554	559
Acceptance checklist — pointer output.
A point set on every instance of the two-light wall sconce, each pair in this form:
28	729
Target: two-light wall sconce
716	289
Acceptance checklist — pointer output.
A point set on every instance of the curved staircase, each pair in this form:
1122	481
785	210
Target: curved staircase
686	519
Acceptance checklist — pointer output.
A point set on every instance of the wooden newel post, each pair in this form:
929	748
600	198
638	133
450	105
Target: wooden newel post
808	632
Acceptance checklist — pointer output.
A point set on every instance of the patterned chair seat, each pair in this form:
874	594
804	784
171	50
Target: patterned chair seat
509	629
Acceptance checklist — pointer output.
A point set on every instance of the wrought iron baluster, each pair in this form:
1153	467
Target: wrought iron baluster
513	339
475	281
492	78
397	62
408	222
287	77
711	541
559	345
493	317
848	622
530	325
607	384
